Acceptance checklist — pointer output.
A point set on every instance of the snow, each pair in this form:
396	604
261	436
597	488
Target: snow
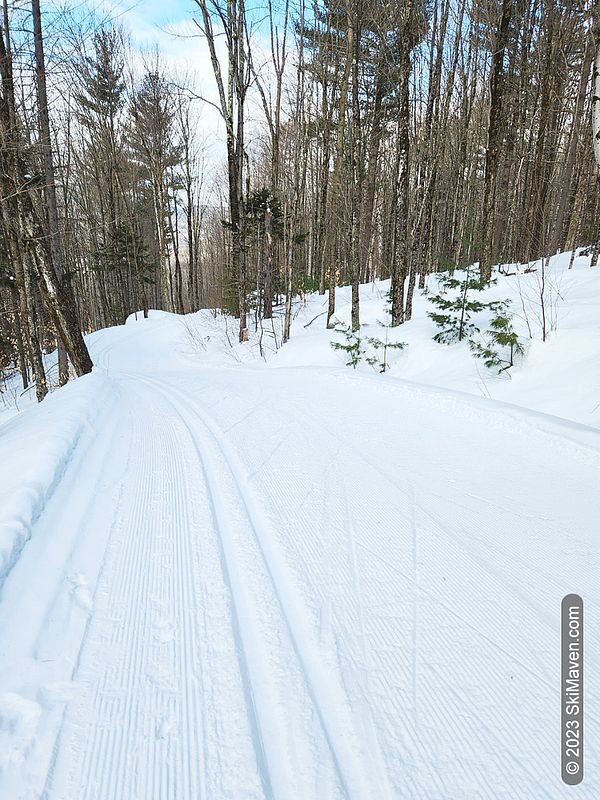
557	377
52	431
18	723
247	571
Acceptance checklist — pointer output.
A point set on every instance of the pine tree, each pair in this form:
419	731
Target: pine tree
100	104
156	153
370	350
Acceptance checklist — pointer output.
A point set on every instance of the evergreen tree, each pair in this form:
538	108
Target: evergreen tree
100	104
370	349
456	306
501	344
156	153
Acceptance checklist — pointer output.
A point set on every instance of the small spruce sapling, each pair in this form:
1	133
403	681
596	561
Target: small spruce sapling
501	344
384	346
456	306
353	346
357	348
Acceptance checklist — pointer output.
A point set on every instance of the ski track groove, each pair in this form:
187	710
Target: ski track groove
101	747
244	648
356	783
138	568
129	669
46	629
338	574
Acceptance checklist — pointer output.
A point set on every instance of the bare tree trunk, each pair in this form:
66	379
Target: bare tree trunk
495	125
35	351
27	316
333	227
268	267
50	197
401	244
366	226
357	167
321	237
596	87
596	123
19	339
231	105
174	234
51	262
567	176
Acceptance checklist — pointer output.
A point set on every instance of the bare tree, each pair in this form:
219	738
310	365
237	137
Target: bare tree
232	98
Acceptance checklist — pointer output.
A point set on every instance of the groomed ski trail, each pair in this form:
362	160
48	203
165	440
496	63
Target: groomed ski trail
162	714
299	584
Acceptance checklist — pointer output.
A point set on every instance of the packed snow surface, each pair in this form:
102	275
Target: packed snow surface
231	576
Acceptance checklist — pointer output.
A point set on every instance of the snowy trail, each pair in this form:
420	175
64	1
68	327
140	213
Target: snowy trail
299	584
185	570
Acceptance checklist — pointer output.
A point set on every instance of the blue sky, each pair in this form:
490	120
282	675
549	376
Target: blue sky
151	12
166	13
168	26
145	14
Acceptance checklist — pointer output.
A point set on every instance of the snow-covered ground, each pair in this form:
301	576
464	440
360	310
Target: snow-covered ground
249	571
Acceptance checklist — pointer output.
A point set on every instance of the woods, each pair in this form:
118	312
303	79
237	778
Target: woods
357	141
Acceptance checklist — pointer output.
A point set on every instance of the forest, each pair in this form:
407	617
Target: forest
359	141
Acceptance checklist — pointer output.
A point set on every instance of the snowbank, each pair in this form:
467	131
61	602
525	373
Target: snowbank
557	376
35	449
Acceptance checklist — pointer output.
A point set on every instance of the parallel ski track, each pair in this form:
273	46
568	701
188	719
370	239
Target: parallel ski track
327	694
121	733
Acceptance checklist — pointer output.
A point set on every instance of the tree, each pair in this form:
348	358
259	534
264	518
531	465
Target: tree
26	230
596	117
496	123
156	153
232	99
410	26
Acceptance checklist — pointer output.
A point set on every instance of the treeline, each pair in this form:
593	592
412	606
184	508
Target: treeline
100	190
418	137
396	139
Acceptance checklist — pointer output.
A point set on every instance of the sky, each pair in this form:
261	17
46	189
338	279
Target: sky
169	26
144	17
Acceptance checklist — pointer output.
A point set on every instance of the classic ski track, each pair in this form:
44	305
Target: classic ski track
117	721
244	649
393	668
329	699
165	767
179	441
83	761
56	630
